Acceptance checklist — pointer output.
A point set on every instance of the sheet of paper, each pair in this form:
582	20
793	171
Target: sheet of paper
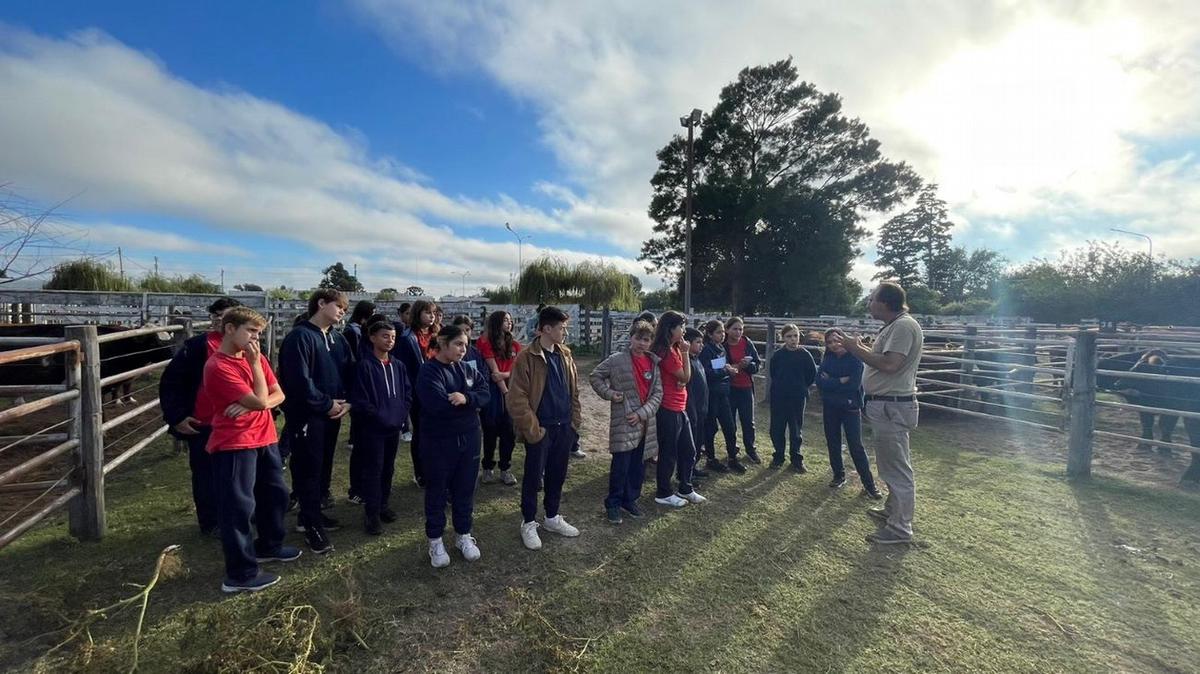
718	363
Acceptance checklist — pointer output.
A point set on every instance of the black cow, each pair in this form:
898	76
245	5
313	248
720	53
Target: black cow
1182	396
116	357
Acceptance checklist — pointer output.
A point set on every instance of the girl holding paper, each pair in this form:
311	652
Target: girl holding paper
718	371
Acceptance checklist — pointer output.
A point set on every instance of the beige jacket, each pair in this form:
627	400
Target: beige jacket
526	385
615	375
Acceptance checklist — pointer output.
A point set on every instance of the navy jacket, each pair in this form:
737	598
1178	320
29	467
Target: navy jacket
357	344
180	382
718	380
311	368
792	373
408	351
697	401
435	383
380	396
833	391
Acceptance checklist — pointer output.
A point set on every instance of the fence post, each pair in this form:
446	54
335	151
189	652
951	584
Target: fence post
1081	405
586	320
770	349
968	369
606	334
87	521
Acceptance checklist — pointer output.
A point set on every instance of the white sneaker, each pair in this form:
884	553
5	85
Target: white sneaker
406	436
489	476
508	478
437	554
559	526
529	535
579	454
693	497
673	500
466	545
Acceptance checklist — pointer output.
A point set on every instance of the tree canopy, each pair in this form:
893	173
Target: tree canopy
336	276
782	180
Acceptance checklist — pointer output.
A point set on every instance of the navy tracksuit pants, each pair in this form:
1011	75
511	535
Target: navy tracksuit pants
204	488
451	465
546	465
249	484
376	464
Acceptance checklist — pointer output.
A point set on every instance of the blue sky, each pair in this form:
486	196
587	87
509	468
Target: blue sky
269	139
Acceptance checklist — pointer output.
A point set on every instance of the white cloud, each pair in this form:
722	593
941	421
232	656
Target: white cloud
110	235
1020	110
89	117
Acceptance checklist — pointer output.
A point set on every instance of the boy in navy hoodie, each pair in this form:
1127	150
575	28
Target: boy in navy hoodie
792	374
380	398
188	417
451	393
310	372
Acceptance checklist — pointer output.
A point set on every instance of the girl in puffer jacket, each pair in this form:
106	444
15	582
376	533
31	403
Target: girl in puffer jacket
630	380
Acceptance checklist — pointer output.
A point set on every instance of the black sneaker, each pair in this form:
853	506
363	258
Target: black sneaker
327	523
776	463
872	493
285	553
354	499
318	541
697	471
292	502
614	515
633	510
387	515
837	483
798	467
752	455
372	525
327	501
715	466
260	582
736	466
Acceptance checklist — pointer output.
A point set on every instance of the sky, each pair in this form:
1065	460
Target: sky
260	142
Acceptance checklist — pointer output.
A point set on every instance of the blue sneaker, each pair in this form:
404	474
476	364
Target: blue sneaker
260	582
285	553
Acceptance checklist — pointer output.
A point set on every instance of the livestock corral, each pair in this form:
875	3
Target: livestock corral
79	373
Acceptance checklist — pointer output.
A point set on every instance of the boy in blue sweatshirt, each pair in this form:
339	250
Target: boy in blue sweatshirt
178	391
840	381
792	374
310	372
380	398
451	393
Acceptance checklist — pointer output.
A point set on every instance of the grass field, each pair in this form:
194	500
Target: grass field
1018	569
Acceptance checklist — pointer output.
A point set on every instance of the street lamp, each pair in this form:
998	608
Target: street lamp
520	241
1148	239
689	121
464	275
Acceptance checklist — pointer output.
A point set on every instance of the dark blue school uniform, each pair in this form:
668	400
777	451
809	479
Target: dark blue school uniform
408	351
312	367
720	411
792	373
450	441
380	400
842	406
177	390
697	402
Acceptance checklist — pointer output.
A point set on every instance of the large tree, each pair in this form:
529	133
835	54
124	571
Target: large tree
914	246
782	181
336	276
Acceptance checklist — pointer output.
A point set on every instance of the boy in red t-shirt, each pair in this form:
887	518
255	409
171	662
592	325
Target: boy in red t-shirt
241	390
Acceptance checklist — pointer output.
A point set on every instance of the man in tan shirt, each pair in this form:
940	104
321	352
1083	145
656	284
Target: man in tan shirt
890	384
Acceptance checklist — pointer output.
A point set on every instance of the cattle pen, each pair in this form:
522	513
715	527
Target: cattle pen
59	438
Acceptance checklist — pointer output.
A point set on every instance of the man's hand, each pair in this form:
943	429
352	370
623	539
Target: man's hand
633	419
187	426
236	410
457	399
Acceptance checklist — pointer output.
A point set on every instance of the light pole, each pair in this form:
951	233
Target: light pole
464	275
520	240
1149	241
689	121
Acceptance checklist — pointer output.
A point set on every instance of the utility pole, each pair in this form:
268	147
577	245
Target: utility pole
222	280
520	241
121	263
464	275
690	121
355	270
156	265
